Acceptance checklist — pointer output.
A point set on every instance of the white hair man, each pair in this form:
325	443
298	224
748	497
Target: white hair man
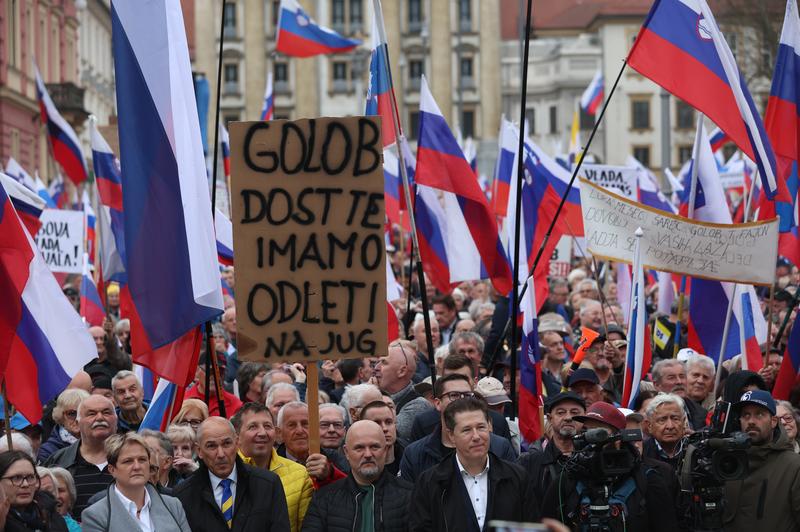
665	420
279	394
669	376
131	404
357	397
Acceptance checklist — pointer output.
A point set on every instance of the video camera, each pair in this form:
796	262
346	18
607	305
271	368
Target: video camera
594	460
714	455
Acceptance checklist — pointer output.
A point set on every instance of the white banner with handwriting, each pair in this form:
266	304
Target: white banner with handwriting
743	253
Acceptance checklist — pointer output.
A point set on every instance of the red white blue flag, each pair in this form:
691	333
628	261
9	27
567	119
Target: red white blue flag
380	92
26	202
300	36
225	145
530	390
752	359
92	310
680	41
268	109
43	342
91	221
789	372
637	361
171	252
224	231
593	96
63	140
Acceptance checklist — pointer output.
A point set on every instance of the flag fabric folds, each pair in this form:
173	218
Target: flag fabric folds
300	36
15	170
637	363
789	372
63	140
163	406
457	233
530	390
43	342
268	110
26	202
42	192
91	222
224	231
752	359
380	91
91	306
593	96
225	146
172	269
680	41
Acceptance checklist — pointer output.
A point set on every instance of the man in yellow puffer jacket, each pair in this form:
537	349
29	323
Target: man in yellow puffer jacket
256	431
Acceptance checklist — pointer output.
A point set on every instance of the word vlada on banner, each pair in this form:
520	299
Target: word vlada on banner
671	243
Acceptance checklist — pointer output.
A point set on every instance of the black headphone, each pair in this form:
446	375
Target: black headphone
108	504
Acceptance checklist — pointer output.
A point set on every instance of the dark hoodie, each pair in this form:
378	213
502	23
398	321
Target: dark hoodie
769	498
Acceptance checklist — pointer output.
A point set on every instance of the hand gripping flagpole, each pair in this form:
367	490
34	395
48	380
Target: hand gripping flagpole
211	352
415	257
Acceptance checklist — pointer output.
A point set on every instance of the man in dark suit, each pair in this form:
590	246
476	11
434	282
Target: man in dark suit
225	494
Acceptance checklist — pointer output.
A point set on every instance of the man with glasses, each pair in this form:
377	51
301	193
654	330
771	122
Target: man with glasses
769	497
331	434
430	450
394	374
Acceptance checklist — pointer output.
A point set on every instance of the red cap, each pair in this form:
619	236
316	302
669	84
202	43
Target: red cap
604	413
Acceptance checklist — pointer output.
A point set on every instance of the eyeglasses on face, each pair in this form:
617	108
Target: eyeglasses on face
19	480
454	396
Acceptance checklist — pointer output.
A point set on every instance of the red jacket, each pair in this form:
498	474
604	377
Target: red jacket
232	403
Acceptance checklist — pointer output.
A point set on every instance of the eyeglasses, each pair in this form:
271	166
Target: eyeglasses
325	425
19	480
454	396
194	423
788	418
72	414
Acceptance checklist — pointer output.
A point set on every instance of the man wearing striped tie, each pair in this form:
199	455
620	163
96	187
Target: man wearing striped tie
225	494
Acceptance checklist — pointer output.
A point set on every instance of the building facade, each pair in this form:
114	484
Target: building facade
96	62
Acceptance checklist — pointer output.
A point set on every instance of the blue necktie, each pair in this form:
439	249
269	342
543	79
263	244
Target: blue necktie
227	501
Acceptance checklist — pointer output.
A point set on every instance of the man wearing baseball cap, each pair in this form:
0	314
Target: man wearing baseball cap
769	497
585	383
544	463
641	498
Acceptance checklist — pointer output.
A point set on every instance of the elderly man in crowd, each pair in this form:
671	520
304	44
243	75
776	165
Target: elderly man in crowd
666	424
281	393
224	493
331	434
394	373
422	369
356	397
256	440
385	498
86	459
444	308
591	315
131	404
584	383
468	344
110	358
669	376
700	373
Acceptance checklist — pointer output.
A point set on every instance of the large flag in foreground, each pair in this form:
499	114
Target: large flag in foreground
43	342
300	36
680	41
63	140
458	236
27	203
173	275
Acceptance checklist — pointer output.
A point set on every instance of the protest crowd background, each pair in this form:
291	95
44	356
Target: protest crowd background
614	352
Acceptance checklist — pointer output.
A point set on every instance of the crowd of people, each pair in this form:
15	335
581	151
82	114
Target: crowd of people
400	449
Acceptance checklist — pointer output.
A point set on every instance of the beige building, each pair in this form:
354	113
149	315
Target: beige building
456	44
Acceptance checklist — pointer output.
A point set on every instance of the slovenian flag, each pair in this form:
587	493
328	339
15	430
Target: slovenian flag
91	221
789	372
225	144
27	203
167	400
224	231
300	36
42	192
91	306
637	361
593	96
530	390
380	92
680	41
15	170
753	360
268	110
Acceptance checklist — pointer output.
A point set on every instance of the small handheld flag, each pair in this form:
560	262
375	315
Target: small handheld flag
593	95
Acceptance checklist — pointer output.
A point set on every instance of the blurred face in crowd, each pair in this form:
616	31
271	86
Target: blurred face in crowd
220	343
256	435
667	424
123	332
758	423
465	326
229	320
600	359
588	290
613	314
699	382
192	417
561	418
97	418
128	394
673	380
367	396
280	398
294	431
112	299
254	390
471	435
217	446
591	315
788	421
183	449
589	392
386	420
479	292
331	428
444	315
158	458
133	467
553	346
70	421
99	336
20	483
469	349
227	274
394	371
558	294
419	335
616	347
63	500
365	450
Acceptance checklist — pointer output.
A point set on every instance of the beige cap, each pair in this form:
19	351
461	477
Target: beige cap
492	391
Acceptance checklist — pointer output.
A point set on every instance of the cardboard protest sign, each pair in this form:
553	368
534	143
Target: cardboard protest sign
743	253
622	180
308	222
60	239
561	261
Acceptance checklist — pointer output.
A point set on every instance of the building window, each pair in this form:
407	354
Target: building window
228	118
640	114
468	124
586	120
414	16
337	16
685	115
553	120
281	77
467	77
416	69
13	31
230	20
465	15
231	73
339	76
276	13
530	117
413	125
684	153
356	15
642	154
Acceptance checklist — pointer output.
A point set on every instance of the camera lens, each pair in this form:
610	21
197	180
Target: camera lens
730	465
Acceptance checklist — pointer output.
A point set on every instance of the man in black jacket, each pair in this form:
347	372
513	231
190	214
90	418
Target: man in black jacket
225	494
369	499
473	486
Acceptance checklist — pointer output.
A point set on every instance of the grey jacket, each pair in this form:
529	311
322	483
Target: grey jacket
109	515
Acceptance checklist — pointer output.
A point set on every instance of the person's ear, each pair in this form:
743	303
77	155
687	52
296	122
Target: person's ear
774	421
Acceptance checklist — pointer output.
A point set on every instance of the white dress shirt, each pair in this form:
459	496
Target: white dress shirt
216	484
142	517
478	489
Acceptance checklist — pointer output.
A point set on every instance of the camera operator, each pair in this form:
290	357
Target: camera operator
666	423
768	498
609	477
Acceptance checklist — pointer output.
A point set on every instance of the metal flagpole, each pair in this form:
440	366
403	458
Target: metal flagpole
378	13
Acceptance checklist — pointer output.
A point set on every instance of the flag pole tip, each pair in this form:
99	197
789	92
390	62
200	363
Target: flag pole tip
639	233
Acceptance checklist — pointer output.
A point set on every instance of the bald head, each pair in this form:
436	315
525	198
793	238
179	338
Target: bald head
216	445
365	449
81	381
215	425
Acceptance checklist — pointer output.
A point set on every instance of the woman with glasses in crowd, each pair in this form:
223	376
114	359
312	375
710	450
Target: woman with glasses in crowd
787	415
192	413
66	431
31	509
